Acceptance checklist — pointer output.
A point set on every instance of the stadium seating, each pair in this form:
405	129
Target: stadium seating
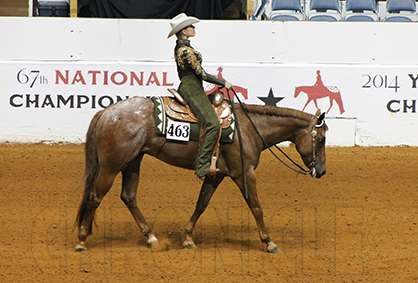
287	10
324	10
338	10
401	11
361	11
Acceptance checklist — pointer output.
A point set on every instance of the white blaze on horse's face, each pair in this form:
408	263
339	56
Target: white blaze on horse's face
311	146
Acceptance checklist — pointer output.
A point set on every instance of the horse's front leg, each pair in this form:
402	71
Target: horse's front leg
255	207
206	192
316	103
307	102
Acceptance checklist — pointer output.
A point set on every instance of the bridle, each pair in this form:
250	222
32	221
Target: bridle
301	170
314	133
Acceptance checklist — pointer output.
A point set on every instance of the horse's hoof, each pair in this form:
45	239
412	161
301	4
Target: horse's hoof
272	248
189	245
80	248
153	243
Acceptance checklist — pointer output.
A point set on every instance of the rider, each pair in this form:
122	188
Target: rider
191	74
319	84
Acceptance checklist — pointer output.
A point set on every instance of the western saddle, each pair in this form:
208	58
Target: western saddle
177	109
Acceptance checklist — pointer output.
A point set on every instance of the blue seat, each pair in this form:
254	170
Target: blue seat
361	11
401	11
286	10
325	10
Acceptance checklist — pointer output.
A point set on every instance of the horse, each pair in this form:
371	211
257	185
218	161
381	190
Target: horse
317	92
120	135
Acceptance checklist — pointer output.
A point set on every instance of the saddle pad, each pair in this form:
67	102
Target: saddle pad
161	119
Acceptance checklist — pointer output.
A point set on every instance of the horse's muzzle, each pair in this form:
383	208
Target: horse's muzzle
318	173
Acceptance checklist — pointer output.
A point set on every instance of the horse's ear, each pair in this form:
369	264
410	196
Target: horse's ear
318	112
320	120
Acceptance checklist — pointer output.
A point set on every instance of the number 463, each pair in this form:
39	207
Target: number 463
178	130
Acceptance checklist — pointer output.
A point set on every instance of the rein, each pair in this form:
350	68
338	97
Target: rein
241	148
301	169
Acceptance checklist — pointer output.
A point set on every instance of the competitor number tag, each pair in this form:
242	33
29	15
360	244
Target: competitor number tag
178	131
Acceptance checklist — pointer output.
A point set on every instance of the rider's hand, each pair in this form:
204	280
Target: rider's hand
228	86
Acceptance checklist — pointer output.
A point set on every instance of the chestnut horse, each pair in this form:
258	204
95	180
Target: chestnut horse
120	135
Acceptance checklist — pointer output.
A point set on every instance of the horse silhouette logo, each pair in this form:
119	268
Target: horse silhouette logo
238	89
319	90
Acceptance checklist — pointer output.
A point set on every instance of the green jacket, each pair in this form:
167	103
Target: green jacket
189	61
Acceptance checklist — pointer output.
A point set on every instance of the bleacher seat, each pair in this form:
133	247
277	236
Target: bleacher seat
325	10
361	11
401	11
286	10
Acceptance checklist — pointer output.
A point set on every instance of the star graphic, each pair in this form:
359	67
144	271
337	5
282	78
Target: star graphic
270	99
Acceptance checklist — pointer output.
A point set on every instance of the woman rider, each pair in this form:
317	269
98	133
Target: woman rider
191	74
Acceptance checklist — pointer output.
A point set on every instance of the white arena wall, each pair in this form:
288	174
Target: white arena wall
55	74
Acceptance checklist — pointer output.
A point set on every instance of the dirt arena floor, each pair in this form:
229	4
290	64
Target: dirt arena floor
356	224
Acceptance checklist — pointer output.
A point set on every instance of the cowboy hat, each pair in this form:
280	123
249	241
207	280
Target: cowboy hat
180	22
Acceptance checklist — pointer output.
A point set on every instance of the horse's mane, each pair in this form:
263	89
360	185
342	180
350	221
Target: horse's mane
277	111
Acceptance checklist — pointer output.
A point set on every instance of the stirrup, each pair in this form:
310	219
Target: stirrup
213	170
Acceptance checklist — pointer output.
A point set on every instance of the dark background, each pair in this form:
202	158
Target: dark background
161	9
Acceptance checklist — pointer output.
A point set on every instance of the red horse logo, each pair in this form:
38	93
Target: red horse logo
210	88
319	90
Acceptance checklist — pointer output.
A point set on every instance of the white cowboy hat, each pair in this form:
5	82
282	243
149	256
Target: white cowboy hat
181	21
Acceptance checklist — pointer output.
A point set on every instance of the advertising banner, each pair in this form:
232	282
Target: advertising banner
56	101
56	74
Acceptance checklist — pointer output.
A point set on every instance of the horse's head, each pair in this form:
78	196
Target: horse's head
297	91
310	144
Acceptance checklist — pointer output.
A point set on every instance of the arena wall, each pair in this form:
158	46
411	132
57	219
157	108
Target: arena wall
57	73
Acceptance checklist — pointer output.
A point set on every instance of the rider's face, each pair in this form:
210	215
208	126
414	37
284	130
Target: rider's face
189	31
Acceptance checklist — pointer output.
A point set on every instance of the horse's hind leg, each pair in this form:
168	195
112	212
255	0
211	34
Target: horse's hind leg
90	203
208	188
130	179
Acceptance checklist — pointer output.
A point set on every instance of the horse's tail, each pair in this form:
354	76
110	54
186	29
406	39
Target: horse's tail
91	169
